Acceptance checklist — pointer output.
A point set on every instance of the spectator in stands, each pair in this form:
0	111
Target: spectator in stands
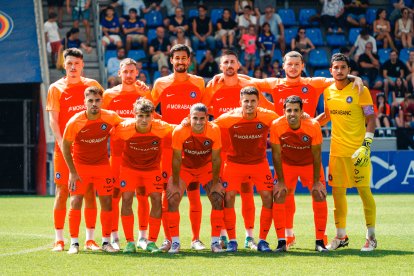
332	15
177	21
110	28
246	19
159	48
208	67
391	70
405	116
404	29
267	43
276	26
226	29
355	12
354	65
72	41
202	30
397	11
360	43
239	6
276	70
165	71
398	94
248	46
192	69
171	5
51	4
143	77
52	36
81	10
382	29
181	38
113	67
383	115
369	65
134	31
139	5
410	70
261	6
301	43
140	68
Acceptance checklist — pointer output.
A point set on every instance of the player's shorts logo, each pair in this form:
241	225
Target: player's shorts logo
349	99
305	90
155	142
6	25
225	184
193	94
356	171
207	143
108	180
259	126
58	175
123	183
104	126
330	177
157	178
305	138
164	174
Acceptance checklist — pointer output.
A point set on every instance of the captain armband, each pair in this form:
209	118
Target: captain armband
368	110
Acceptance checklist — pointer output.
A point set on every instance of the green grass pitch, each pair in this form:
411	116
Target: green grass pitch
26	232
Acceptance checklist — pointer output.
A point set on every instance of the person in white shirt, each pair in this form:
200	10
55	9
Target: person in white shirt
361	42
246	19
52	36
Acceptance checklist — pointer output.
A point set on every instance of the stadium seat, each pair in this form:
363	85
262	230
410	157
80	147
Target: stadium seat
199	55
315	35
108	55
335	50
151	35
318	58
322	73
353	35
305	15
137	54
370	15
405	54
153	18
192	13
157	74
288	17
216	15
384	55
289	34
336	40
277	55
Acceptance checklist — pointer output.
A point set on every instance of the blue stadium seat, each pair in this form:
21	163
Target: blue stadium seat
157	74
137	54
335	50
289	34
353	35
277	55
153	18
288	17
370	15
315	35
322	73
108	55
405	54
318	58
192	13
199	55
151	35
216	15
304	15
384	55
336	40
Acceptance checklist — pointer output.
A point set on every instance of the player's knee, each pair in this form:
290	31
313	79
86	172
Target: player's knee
193	186
317	196
76	202
267	199
106	203
280	198
173	202
156	200
216	200
229	199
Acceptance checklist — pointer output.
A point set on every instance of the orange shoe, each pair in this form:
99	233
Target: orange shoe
91	245
59	246
290	241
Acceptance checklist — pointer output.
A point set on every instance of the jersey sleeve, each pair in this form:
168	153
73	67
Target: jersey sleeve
53	99
216	137
178	137
320	82
72	128
365	98
317	133
156	92
274	134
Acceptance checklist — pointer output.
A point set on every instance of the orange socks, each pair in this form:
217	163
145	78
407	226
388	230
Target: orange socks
115	213
217	222
195	212
290	210
143	212
279	218
164	217
74	222
154	228
90	217
106	222
230	222
248	210
174	223
128	225
266	216
320	216
59	218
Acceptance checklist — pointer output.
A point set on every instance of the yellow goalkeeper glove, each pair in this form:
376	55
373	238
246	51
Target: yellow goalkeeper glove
361	156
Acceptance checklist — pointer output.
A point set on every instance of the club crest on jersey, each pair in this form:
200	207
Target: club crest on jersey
305	90
193	94
104	126
275	181
58	175
123	183
305	138
259	126
349	99
155	142
207	143
164	174
330	177
224	184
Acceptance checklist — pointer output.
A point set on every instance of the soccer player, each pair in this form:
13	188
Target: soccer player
196	160
349	159
247	127
84	148
296	151
140	169
223	97
176	93
121	99
64	99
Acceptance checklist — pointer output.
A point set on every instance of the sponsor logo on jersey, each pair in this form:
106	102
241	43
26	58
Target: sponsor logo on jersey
94	141
340	112
178	106
6	25
76	108
104	126
248	136
259	126
349	99
193	94
197	152
305	90
121	112
123	183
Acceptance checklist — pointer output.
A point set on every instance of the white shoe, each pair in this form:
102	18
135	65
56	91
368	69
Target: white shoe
338	243
175	248
197	245
74	248
107	247
91	245
165	246
116	245
142	243
370	245
216	247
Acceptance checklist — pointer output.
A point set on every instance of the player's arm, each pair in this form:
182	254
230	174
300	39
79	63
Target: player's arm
317	187
361	156
280	186
324	117
357	82
67	155
54	125
216	163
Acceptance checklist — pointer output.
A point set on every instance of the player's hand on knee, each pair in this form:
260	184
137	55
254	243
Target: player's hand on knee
319	189
73	178
173	189
279	189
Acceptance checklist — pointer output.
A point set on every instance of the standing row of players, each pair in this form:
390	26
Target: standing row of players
190	157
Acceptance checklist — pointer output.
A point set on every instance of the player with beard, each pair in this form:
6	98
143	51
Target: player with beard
176	93
121	99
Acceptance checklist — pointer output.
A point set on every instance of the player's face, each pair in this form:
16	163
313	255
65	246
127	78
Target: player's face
249	104
143	120
293	112
229	65
93	103
339	70
73	66
128	74
293	67
180	61
198	121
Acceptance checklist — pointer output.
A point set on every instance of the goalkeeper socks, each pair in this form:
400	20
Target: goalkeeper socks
128	226
290	207
143	212
340	206
106	222
320	217
279	218
195	212
174	223
230	222
248	209
369	205
266	216
115	213
74	222
217	222
59	218
154	228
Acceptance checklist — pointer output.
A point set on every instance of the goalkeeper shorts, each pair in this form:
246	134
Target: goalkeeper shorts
343	173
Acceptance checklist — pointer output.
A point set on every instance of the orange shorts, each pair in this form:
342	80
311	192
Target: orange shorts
116	167
201	175
99	175
61	169
258	174
305	173
130	179
166	164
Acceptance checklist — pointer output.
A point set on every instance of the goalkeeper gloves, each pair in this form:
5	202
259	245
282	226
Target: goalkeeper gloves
362	154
